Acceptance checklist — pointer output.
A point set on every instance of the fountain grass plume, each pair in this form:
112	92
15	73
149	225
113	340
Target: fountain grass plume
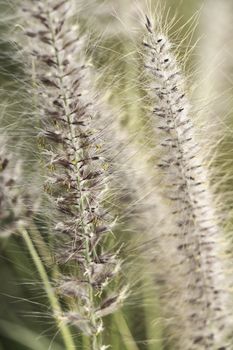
200	298
73	137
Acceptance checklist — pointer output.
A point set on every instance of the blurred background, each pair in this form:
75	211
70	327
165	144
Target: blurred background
204	32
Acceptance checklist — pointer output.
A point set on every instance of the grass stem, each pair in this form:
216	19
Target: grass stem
65	332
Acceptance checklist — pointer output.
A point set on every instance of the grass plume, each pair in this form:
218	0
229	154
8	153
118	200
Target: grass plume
194	241
16	206
77	168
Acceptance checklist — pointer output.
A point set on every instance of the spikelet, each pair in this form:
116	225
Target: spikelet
76	155
199	290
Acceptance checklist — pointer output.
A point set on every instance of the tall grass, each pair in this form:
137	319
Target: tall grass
123	246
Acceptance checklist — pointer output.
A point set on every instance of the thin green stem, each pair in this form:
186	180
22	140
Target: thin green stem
65	332
85	342
124	331
40	244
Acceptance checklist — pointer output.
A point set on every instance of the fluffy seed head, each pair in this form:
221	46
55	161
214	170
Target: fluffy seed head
193	245
78	169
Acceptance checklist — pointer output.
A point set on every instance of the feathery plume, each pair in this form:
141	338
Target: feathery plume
193	246
78	167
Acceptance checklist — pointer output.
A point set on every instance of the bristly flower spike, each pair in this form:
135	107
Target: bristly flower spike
78	172
200	292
